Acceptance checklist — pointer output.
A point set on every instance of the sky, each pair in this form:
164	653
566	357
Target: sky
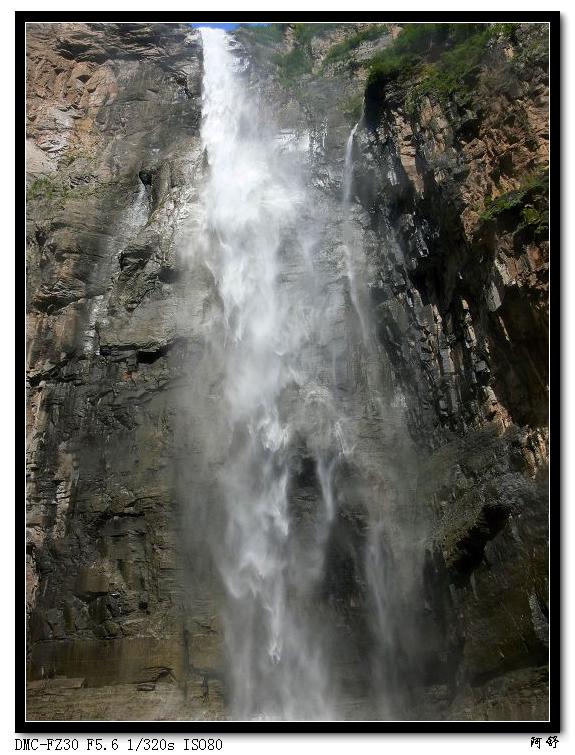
230	26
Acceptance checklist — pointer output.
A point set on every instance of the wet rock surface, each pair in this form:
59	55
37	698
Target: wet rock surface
457	191
113	125
457	274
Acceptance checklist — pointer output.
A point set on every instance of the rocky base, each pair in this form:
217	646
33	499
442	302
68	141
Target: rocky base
65	699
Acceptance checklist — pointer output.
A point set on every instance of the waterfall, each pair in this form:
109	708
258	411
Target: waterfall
293	509
253	202
378	554
352	265
348	167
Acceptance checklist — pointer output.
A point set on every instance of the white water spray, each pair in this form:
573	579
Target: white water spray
352	266
302	442
253	201
348	167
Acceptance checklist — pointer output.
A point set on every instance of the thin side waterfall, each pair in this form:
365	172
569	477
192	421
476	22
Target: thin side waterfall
295	442
380	571
348	167
351	264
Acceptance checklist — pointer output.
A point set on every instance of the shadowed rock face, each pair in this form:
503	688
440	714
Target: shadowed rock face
114	115
460	294
121	590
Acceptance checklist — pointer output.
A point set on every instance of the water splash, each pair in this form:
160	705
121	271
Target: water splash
297	455
253	200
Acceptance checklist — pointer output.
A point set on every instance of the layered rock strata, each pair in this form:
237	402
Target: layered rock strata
449	205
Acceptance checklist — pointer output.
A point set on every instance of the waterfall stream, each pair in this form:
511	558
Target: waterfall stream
304	438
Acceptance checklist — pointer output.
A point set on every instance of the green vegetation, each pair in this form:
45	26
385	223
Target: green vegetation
292	65
457	69
266	35
342	49
352	107
410	49
505	30
539	219
50	189
77	154
299	61
46	188
534	48
444	59
274	33
529	201
304	33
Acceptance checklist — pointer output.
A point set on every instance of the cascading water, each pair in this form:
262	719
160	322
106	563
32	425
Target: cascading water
252	206
299	415
348	166
381	572
348	241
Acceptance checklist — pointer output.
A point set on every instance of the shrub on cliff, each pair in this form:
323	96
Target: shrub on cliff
438	59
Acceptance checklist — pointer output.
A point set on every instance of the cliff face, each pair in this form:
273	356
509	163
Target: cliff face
456	185
449	205
113	140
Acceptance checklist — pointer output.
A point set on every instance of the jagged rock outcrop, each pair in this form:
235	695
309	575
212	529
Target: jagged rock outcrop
449	204
457	189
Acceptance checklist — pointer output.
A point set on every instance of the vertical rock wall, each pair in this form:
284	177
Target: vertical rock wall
457	191
113	141
449	202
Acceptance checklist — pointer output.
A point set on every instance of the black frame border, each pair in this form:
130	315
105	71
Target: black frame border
553	724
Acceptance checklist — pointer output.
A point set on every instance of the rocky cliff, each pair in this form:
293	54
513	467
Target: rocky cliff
449	201
452	165
113	124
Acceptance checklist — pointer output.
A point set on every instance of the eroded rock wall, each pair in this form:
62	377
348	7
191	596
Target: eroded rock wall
457	190
113	141
448	203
